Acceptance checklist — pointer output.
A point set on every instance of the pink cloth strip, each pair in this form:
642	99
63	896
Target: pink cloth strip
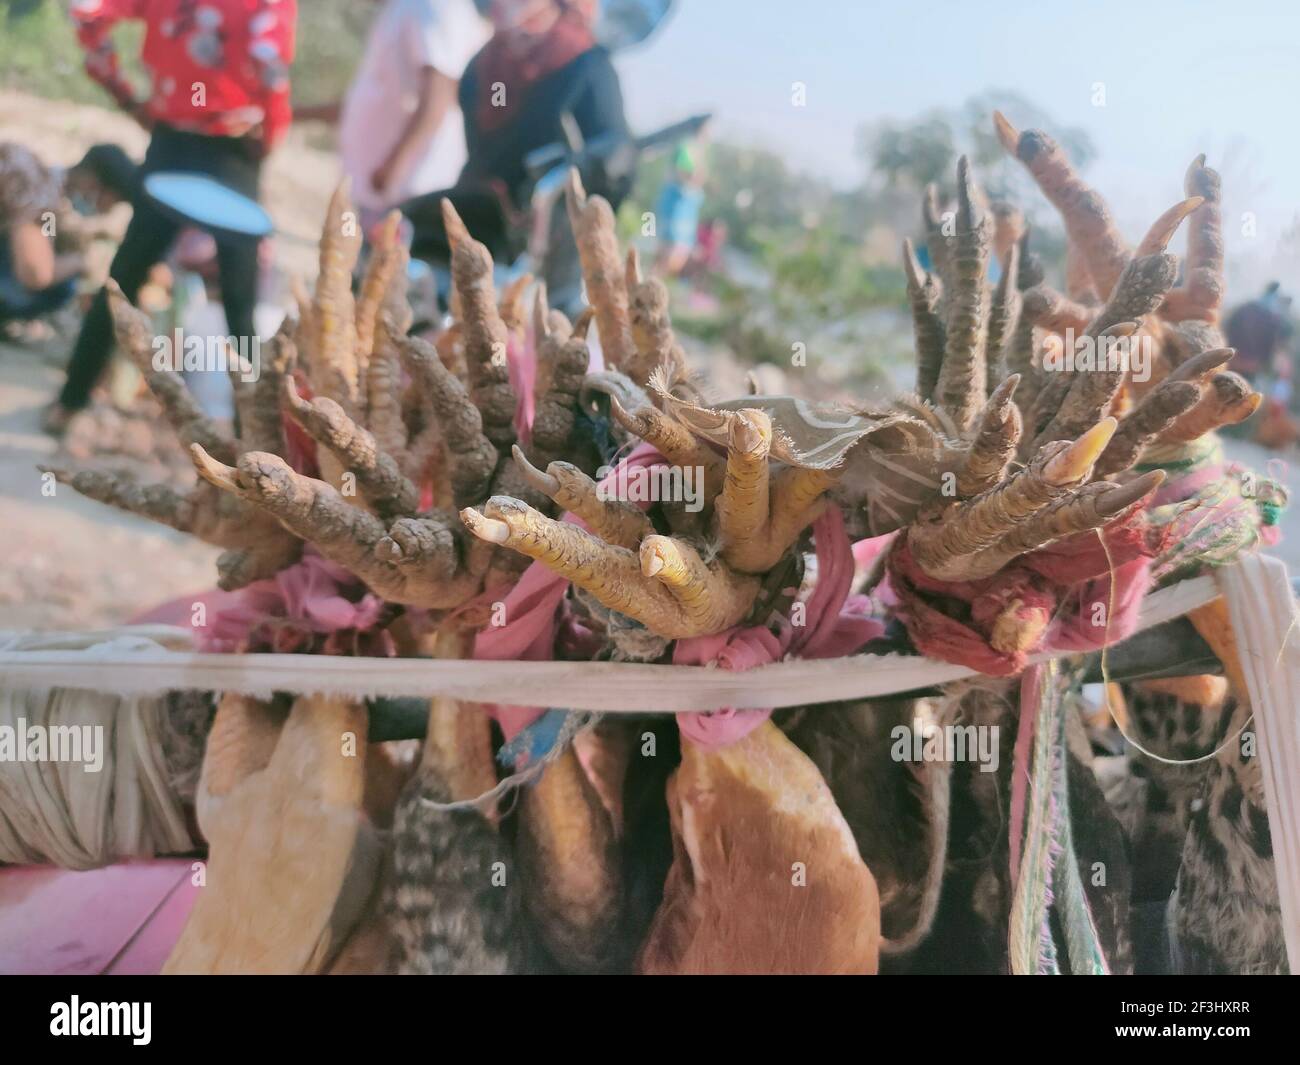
531	612
312	606
1065	579
834	625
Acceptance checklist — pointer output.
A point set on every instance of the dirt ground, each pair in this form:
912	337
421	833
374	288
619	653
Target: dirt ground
68	562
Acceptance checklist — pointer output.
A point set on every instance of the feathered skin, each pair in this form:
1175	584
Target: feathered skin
1202	829
450	901
1225	908
570	867
1226	915
446	915
965	929
898	812
186	722
1177	722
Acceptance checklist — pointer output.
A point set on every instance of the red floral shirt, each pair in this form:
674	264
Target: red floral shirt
218	66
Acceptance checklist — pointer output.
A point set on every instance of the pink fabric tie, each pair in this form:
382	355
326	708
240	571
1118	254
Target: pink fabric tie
952	620
531	612
835	625
312	606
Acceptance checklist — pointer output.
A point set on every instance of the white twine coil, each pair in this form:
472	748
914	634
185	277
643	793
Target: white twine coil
57	812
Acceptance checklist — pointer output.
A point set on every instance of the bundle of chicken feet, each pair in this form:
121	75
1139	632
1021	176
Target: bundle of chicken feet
451	483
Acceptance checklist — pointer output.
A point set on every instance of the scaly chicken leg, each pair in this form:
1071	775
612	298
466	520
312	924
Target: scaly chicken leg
281	809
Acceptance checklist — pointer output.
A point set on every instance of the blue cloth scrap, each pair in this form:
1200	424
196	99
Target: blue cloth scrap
535	741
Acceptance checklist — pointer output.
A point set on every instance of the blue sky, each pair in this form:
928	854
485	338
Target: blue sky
1179	78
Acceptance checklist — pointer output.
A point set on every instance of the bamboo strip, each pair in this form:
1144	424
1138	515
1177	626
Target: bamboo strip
1264	618
611	687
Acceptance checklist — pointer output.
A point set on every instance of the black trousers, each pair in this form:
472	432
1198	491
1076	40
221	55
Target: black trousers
479	208
234	161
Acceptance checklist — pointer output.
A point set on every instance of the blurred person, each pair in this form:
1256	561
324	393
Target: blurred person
401	133
706	259
541	63
104	177
680	202
41	243
218	104
1258	330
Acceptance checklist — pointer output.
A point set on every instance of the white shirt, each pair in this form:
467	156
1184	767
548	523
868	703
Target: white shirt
407	36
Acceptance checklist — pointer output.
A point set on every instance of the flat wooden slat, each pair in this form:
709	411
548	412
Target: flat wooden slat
1263	613
612	687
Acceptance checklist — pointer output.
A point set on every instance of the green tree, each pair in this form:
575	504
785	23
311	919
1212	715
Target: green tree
911	154
903	157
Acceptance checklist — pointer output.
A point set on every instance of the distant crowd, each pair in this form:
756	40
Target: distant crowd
450	97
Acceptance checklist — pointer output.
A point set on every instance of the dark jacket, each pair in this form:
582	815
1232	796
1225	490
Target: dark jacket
587	88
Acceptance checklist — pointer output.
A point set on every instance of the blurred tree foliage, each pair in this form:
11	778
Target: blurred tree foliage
817	265
798	274
911	155
902	158
39	52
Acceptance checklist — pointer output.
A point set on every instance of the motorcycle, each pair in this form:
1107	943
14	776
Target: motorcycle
538	237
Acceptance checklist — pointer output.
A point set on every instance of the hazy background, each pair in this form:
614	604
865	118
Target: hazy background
1179	78
817	197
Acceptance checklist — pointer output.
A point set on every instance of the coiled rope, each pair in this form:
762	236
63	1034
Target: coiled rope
56	811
